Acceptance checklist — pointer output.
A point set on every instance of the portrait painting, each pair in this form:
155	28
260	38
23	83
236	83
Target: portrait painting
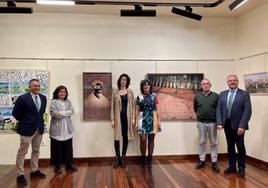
97	91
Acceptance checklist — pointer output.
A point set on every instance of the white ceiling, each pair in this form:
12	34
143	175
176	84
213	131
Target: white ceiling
221	10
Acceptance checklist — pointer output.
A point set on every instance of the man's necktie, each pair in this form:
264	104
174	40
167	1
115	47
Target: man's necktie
36	102
230	103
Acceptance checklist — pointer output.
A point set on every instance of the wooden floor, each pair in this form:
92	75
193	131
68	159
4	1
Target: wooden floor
164	174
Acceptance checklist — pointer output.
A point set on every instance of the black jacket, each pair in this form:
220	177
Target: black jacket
26	113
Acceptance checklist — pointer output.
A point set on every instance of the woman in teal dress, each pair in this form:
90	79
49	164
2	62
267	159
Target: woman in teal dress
147	120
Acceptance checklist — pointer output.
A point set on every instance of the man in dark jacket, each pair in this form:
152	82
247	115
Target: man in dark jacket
233	113
29	110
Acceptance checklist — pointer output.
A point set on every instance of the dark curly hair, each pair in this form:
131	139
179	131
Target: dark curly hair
57	90
143	82
119	80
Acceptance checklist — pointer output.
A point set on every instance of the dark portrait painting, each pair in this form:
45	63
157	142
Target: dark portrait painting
176	94
97	91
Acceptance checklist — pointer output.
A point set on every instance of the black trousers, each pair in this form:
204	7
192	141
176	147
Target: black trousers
61	152
232	140
124	130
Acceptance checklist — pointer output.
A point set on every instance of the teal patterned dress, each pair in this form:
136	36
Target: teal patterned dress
148	120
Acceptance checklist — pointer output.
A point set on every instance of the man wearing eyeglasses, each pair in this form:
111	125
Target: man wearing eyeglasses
28	111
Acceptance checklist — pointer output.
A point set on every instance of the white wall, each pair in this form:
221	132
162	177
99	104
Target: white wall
210	44
111	36
253	41
252	32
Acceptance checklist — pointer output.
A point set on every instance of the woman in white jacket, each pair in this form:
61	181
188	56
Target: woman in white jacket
61	130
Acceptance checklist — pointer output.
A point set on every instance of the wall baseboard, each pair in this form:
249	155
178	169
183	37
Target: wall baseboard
257	162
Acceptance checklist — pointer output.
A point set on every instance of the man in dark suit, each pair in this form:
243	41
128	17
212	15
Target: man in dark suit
233	113
29	110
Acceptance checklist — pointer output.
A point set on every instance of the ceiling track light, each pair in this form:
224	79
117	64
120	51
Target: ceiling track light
13	9
138	12
236	4
186	13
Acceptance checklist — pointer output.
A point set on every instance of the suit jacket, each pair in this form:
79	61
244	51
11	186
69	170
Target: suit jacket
240	111
26	113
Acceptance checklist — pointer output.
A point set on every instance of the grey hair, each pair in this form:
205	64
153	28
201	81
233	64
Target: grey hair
234	75
206	80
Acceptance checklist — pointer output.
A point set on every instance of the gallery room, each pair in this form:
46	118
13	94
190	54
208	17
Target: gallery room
86	45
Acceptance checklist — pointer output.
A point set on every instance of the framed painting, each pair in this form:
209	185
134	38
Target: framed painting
256	83
14	83
97	91
176	93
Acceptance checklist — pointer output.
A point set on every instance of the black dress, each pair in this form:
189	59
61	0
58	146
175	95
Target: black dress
123	116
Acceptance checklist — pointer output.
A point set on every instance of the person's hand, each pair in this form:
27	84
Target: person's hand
57	114
219	127
159	124
240	131
112	124
133	122
137	126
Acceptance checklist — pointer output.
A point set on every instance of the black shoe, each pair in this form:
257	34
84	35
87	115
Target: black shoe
123	162
215	167
241	173
229	170
71	167
37	174
57	169
117	162
21	180
149	161
200	164
143	161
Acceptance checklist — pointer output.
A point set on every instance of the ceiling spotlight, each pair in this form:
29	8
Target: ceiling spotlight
236	4
187	13
138	12
11	8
